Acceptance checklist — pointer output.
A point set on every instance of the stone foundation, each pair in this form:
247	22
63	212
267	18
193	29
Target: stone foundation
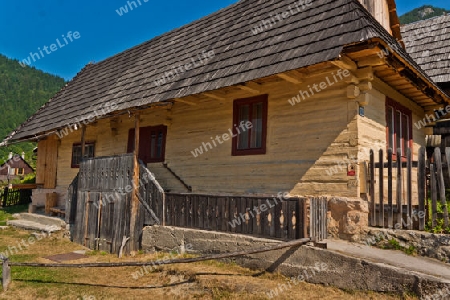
348	218
414	242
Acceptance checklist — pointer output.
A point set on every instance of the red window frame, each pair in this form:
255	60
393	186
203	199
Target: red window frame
75	164
398	126
237	150
148	147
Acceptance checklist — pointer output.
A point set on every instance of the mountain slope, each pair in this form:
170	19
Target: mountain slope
22	91
422	13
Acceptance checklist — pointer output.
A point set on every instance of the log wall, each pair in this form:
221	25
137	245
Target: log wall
303	141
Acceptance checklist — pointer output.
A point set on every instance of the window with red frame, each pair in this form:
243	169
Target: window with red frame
398	127
250	141
152	143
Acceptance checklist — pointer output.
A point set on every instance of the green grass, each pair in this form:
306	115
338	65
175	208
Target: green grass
394	244
7	212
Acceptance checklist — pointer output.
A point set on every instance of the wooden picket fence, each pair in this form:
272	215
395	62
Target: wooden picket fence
15	196
399	190
285	219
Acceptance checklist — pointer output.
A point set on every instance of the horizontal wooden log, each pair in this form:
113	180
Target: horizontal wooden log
279	246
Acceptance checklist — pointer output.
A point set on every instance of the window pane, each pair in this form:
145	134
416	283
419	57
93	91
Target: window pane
398	131
159	146
152	144
76	155
244	112
256	131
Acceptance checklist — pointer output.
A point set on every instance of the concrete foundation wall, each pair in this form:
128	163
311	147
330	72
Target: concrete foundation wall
315	265
39	195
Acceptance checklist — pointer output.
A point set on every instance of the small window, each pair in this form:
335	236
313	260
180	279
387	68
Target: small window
250	126
20	171
398	127
76	153
152	143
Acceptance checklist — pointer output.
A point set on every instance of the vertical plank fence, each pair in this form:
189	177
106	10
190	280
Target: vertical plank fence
257	216
415	200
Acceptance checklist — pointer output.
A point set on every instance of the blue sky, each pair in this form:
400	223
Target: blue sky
29	25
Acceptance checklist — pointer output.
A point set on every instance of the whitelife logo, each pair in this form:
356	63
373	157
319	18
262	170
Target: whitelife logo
50	49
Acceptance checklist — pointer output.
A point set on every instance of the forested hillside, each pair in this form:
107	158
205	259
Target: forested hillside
422	13
22	91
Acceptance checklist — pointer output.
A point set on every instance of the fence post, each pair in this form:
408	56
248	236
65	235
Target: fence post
373	220
6	273
422	178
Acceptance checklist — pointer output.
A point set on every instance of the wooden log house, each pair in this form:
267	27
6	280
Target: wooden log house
310	83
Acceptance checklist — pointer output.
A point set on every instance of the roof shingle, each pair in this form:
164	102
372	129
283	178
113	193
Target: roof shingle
313	35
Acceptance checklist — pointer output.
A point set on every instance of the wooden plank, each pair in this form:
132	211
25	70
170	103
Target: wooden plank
399	188
86	219
381	188
284	219
292	207
233	213
433	188
312	218
251	214
390	195
273	218
409	188
441	184
260	220
421	181
51	159
202	212
373	219
40	164
134	240
243	214
304	217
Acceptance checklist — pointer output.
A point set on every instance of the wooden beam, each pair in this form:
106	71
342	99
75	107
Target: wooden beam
374	60
251	87
290	77
214	96
185	101
345	63
353	91
134	239
352	79
364	74
365	86
363	99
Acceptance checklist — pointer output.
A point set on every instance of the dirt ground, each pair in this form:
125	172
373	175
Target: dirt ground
203	280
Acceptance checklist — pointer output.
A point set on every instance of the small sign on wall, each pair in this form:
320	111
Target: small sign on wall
351	171
361	111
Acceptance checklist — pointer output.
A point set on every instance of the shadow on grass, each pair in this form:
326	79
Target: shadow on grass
102	285
126	287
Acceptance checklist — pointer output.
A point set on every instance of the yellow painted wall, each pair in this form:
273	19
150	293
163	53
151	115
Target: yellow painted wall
372	129
303	142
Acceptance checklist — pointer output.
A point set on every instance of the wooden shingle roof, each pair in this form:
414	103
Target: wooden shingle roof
428	42
317	33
